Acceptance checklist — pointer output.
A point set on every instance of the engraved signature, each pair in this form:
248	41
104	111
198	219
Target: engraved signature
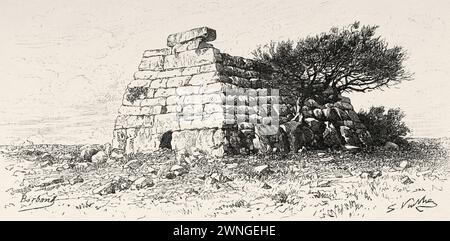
420	204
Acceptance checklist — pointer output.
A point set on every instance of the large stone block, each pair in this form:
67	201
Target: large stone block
191	58
158	83
178	81
152	63
165	92
216	98
204	33
119	139
188	90
146	75
206	78
153	101
197	43
156	52
166	122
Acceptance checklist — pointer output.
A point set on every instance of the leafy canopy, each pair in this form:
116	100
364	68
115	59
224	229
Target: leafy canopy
341	60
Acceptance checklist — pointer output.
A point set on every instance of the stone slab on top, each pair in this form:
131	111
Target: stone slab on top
204	33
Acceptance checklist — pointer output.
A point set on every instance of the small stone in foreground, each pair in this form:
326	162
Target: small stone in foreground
171	175
406	180
143	182
262	169
105	189
266	186
391	146
75	180
133	164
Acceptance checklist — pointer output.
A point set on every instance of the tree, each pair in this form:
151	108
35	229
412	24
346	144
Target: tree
342	60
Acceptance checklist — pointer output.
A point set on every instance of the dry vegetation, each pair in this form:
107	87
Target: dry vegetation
376	183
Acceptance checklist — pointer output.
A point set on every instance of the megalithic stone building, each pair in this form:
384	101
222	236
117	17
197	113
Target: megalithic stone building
191	97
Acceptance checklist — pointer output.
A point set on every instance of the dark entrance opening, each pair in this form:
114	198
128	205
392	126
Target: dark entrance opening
166	140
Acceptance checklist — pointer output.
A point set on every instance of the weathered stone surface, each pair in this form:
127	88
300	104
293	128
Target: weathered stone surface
191	58
342	114
88	151
330	114
353	116
197	43
177	81
206	78
156	52
204	33
99	157
331	136
152	63
143	182
315	125
153	101
349	136
391	146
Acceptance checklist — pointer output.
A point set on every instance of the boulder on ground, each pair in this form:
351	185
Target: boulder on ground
133	164
143	182
262	169
105	189
87	151
391	146
331	136
349	136
99	158
315	125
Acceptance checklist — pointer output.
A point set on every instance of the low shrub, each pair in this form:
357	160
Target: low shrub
385	125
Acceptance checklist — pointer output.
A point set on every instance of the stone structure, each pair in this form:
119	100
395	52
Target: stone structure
192	98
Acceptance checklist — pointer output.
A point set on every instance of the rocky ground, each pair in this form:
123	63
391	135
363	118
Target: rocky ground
73	182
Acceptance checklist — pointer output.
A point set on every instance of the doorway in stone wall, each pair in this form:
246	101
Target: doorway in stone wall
166	140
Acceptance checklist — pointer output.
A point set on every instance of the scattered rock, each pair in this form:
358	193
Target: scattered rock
88	151
391	146
105	189
171	175
116	156
266	186
152	170
375	174
133	164
349	136
321	154
364	175
81	166
99	158
178	170
122	183
232	165
51	180
331	136
75	180
46	157
45	164
326	159
403	164
263	169
191	190
219	177
324	183
107	148
406	180
143	182
351	148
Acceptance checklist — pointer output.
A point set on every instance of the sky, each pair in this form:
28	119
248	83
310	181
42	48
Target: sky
64	65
